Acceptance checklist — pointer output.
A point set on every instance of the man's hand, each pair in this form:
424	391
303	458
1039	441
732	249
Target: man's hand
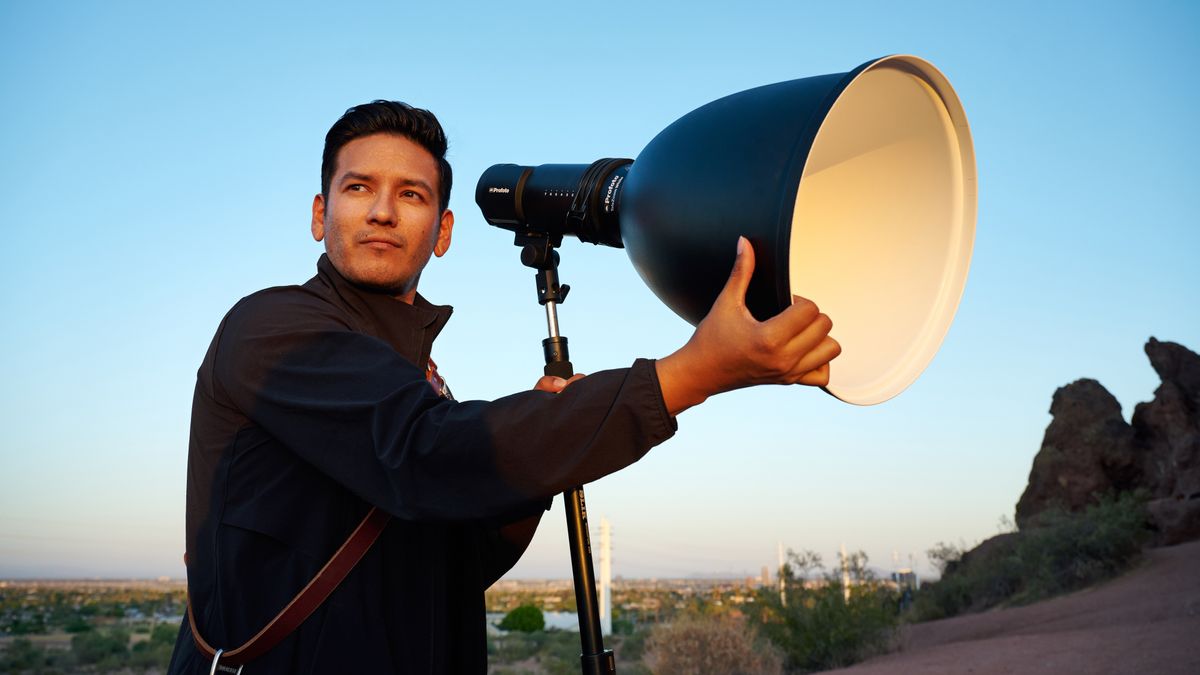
554	384
731	349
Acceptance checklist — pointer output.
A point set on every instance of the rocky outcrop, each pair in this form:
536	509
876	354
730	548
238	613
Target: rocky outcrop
1089	449
1167	432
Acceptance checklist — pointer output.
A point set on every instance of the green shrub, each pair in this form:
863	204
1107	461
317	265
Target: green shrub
633	645
105	649
164	633
516	646
1059	553
33	626
622	625
710	644
151	654
820	628
20	655
559	654
524	619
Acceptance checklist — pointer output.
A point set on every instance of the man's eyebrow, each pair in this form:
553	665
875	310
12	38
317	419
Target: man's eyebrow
417	182
406	182
353	175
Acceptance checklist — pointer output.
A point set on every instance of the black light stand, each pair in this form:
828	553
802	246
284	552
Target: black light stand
537	252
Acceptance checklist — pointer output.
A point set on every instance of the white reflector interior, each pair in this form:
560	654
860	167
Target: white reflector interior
883	224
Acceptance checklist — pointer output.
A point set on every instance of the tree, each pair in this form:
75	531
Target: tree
804	563
855	566
525	619
944	556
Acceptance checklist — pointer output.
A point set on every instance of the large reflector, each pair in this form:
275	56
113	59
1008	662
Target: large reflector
858	191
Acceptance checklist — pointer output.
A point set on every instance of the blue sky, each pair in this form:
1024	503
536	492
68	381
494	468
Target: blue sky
159	164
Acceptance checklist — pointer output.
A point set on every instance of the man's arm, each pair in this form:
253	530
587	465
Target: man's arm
731	349
348	404
504	547
351	406
513	538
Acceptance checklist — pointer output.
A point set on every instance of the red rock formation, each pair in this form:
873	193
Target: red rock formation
1090	450
1167	430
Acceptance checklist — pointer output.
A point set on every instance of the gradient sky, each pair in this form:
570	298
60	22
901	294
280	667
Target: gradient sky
159	163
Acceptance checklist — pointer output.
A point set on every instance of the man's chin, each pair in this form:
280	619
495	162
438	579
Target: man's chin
374	278
381	287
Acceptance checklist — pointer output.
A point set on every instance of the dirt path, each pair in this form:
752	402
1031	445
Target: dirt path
1147	621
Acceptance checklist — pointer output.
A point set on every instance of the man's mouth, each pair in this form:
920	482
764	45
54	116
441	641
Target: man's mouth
381	243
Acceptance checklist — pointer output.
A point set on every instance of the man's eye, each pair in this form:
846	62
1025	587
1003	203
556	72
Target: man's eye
411	194
356	187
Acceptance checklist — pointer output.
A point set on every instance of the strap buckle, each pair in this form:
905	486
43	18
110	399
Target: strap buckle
217	668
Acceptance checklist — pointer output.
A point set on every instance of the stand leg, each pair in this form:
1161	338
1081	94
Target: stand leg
595	659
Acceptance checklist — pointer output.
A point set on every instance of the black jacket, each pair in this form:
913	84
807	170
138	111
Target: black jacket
308	408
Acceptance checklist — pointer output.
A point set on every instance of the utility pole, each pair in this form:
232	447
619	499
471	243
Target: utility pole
845	575
605	577
782	590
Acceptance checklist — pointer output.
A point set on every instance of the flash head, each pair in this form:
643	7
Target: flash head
581	200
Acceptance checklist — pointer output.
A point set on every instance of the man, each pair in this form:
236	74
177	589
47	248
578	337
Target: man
316	402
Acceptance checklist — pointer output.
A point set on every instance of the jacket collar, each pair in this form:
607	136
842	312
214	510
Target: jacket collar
409	329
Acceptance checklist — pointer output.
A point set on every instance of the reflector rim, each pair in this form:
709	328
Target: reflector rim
954	277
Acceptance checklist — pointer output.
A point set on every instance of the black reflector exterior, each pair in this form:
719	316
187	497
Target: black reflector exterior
727	168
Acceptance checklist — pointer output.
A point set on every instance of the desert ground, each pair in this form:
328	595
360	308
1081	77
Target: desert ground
1147	621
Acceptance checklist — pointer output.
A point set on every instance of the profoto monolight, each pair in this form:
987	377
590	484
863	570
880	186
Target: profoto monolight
857	190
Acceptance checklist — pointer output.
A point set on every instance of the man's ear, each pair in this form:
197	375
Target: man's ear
447	228
318	217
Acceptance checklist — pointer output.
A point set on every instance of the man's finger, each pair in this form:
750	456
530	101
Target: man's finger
550	383
798	338
794	320
819	356
743	270
816	378
554	384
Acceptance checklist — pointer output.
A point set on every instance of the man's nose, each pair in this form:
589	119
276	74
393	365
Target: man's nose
383	212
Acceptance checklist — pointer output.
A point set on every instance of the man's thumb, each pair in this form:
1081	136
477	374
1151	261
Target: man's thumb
743	270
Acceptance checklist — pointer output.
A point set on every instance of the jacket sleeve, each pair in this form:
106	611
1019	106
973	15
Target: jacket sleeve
351	406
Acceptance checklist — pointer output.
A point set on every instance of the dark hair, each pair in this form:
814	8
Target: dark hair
388	117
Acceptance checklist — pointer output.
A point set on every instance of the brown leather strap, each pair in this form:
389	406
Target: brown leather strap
311	596
307	600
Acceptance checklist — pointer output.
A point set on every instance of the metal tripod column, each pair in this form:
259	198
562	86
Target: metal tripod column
594	659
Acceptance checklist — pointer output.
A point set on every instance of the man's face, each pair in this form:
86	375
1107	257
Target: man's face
382	219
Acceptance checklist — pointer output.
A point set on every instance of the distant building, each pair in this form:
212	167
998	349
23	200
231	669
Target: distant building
904	578
906	583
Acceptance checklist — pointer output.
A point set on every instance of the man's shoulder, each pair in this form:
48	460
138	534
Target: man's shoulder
287	308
